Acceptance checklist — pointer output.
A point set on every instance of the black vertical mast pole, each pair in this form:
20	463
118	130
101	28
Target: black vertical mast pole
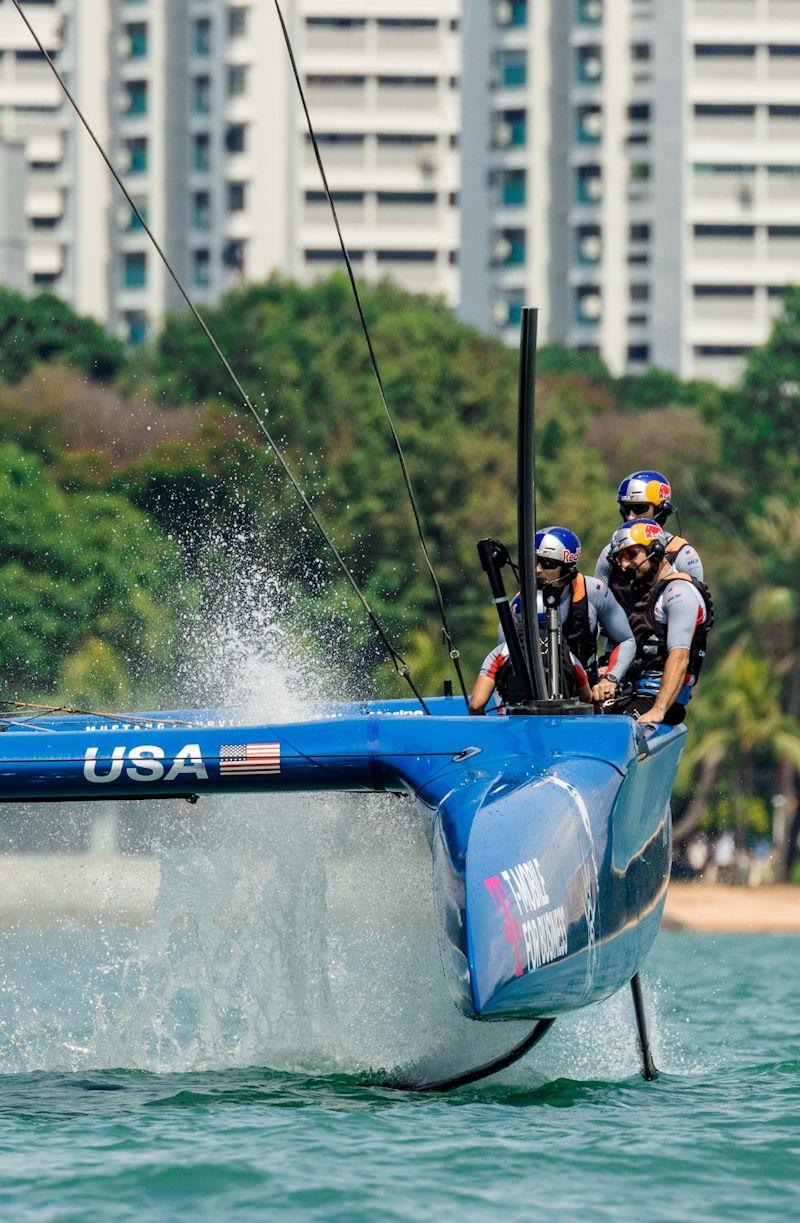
526	500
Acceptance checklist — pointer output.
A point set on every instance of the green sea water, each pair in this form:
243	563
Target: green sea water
571	1133
212	1064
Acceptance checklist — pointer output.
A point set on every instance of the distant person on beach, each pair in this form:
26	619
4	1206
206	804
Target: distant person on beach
587	606
648	494
670	614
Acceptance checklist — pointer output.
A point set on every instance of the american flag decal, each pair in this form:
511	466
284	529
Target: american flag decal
247	759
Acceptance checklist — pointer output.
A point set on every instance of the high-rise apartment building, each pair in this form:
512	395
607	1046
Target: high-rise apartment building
195	103
32	152
633	167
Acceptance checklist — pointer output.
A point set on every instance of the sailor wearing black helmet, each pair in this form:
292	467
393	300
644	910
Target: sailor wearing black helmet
670	614
647	494
587	605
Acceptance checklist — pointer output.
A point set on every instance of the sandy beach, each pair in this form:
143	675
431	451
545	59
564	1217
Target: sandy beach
716	909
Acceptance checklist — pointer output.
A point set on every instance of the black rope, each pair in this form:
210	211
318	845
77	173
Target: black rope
448	636
398	662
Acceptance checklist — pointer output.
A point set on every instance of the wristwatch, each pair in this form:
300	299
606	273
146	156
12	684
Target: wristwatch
612	679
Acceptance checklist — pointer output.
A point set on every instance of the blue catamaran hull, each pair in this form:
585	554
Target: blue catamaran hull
550	836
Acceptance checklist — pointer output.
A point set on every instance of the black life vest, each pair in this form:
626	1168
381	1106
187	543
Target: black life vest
510	686
651	637
577	631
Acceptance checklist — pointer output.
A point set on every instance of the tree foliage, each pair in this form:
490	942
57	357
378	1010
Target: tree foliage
109	492
45	329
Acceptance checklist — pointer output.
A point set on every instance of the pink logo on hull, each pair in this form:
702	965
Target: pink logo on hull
511	927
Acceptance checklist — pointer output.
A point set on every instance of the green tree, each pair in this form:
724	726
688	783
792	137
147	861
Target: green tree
44	328
75	569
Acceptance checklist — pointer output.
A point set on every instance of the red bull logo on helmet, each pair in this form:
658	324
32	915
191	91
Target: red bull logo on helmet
657	491
651	530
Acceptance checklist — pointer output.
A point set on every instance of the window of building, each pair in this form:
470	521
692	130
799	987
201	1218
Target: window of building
511	12
721	350
201	151
141	203
589	185
640	292
590	12
391	197
136	326
640	232
45	280
406	256
341	197
589	244
407	23
640	52
201	210
639	112
723	290
45	222
237	22
639	171
510	248
510	129
134	269
512	188
589	65
201	268
236	137
733	50
237	197
233	254
589	121
237	80
724	231
337	23
331	255
201	36
137	155
201	95
137	39
513	66
722	110
588	304
638	353
407	139
137	98
785	50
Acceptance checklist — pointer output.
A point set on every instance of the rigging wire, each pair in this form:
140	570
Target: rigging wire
398	662
448	636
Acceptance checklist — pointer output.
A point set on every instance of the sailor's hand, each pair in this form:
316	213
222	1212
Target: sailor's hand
604	690
651	716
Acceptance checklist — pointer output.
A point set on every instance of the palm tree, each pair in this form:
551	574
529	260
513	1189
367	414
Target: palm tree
737	719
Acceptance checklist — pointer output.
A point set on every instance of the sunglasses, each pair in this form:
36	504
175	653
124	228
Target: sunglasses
545	562
631	553
640	508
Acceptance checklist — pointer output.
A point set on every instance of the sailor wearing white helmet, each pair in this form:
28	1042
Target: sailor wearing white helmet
647	494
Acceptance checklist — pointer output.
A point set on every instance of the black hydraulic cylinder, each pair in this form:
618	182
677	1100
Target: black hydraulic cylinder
526	501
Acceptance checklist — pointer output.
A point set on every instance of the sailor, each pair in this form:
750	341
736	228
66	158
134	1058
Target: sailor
647	494
586	605
670	613
496	672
